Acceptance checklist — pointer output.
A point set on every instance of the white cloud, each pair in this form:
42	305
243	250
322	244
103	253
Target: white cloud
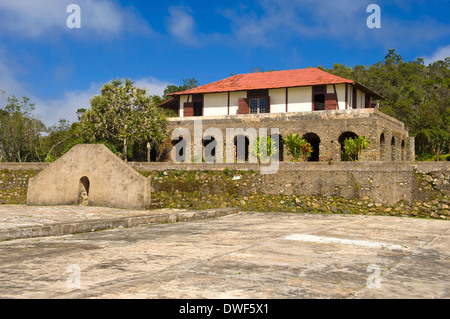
440	54
39	18
182	25
275	22
65	107
51	111
152	85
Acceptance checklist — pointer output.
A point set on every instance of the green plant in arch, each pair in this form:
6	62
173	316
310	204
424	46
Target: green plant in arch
353	148
299	148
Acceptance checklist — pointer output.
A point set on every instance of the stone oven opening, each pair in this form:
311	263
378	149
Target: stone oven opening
83	191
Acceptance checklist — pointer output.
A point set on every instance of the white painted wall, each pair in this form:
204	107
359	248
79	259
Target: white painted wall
234	100
183	99
300	99
350	96
330	89
340	89
277	100
215	104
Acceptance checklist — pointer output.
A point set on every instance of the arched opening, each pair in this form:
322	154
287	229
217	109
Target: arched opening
314	140
83	191
179	144
403	146
279	144
344	136
241	144
382	147
209	149
393	149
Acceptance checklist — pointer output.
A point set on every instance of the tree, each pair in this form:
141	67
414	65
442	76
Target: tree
20	131
124	116
59	137
416	94
188	84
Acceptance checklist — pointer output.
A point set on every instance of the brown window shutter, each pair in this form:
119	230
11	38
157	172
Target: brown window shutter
368	105
331	102
188	109
243	107
268	104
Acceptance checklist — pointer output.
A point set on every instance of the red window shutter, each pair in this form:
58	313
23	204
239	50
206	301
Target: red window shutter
188	109
243	107
331	102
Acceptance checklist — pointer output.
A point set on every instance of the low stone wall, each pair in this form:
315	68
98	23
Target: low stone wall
386	183
419	189
14	184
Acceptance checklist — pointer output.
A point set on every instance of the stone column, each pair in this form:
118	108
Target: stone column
410	149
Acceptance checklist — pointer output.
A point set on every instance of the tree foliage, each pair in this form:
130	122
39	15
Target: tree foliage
416	94
298	147
124	116
20	131
353	147
264	149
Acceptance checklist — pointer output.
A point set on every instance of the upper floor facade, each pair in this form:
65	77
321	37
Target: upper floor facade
304	90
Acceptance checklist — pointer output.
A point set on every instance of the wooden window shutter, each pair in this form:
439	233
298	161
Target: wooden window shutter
268	104
188	109
243	107
331	102
368	106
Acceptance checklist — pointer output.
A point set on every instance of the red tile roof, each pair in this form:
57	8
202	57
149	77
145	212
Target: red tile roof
273	80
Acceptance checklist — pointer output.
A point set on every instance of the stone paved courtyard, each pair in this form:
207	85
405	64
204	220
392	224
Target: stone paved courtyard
243	255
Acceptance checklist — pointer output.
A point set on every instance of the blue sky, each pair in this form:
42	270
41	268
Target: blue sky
157	43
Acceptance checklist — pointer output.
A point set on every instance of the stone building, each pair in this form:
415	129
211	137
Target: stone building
323	108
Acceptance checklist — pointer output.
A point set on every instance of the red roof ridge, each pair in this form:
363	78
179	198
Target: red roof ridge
271	80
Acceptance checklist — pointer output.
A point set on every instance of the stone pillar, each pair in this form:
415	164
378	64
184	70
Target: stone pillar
410	149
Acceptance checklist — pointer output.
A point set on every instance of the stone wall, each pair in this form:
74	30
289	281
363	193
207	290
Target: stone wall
386	183
421	188
330	127
90	173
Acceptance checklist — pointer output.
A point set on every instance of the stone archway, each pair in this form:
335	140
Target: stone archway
241	143
83	191
382	147
180	146
393	149
342	139
209	149
314	140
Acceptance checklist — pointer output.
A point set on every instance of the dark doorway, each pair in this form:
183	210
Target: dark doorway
279	145
341	140
241	144
319	102
382	147
198	109
83	191
314	140
180	149
209	144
